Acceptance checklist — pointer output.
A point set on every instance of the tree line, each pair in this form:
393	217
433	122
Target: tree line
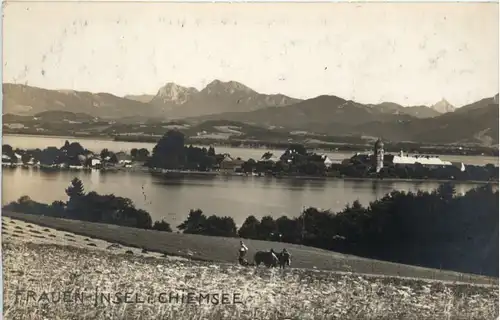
170	152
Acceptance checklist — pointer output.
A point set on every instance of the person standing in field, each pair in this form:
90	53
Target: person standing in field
285	258
242	252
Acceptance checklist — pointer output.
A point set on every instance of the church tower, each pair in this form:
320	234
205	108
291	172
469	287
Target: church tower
378	155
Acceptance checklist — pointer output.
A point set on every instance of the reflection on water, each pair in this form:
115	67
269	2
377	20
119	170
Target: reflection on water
172	197
375	186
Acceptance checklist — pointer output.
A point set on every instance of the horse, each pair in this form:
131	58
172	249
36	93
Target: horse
285	259
267	258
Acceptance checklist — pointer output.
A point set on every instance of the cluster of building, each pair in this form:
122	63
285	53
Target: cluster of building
16	159
81	162
379	159
230	164
123	159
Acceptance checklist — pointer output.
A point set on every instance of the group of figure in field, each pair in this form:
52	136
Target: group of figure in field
270	259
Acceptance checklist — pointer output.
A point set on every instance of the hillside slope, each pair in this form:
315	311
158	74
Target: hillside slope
224	249
317	113
185	290
474	123
420	112
25	100
144	98
50	116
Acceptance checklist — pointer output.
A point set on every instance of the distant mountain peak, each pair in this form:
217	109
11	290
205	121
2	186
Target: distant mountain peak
217	86
174	93
443	106
174	87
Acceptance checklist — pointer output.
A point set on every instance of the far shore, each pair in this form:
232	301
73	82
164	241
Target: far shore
142	169
112	139
336	147
47	135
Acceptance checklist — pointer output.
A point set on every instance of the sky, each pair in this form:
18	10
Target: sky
411	54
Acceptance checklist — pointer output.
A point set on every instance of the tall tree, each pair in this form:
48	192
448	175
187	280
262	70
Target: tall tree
51	155
7	149
75	189
211	151
267	227
195	222
25	157
169	152
297	148
142	154
219	226
76	193
250	228
74	149
104	153
133	153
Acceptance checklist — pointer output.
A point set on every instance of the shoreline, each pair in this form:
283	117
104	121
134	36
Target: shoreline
200	143
233	174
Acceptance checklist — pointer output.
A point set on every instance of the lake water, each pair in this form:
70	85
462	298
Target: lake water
172	198
235	196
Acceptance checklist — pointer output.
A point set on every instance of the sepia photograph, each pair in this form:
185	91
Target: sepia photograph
267	161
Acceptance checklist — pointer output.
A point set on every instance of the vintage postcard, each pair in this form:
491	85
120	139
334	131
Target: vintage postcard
250	160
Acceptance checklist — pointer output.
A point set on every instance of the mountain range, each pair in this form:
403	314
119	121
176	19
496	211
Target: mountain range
233	101
219	97
216	97
172	101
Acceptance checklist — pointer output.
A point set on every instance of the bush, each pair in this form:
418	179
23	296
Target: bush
198	223
162	226
220	226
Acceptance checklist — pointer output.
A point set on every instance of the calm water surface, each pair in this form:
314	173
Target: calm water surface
238	197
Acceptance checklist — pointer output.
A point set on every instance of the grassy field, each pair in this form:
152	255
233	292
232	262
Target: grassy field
220	249
53	274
